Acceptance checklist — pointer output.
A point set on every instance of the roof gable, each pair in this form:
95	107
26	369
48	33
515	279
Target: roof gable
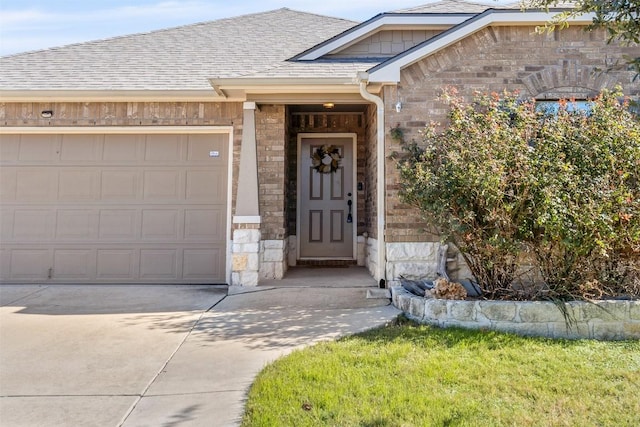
389	70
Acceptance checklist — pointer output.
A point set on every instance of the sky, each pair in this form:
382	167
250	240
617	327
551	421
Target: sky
27	25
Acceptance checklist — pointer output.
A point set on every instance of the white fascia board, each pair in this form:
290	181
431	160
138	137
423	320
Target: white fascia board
288	85
392	20
389	71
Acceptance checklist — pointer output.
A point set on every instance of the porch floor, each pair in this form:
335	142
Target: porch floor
347	276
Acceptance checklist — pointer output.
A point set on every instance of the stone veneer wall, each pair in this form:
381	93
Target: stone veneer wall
412	260
245	258
603	320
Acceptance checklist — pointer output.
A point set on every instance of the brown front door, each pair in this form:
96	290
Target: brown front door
326	199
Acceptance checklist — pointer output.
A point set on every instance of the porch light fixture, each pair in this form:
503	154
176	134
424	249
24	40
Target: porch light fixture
329	105
46	114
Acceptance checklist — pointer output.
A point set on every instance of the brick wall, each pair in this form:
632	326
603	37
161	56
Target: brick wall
564	63
272	170
371	172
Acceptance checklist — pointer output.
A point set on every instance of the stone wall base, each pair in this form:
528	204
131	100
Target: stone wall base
601	320
245	258
412	260
371	256
274	256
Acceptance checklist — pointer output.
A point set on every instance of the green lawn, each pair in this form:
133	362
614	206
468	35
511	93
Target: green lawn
411	375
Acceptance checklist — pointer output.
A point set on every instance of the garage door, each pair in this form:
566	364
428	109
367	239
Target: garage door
113	208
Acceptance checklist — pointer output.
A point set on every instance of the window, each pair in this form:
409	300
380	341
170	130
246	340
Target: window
551	107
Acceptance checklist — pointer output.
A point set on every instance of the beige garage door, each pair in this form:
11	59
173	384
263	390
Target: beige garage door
113	208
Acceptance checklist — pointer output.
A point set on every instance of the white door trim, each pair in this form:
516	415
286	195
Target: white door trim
150	130
354	168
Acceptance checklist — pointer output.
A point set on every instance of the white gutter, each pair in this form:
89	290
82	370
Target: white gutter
363	79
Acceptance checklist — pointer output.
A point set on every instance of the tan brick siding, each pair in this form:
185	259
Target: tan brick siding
272	170
515	58
371	172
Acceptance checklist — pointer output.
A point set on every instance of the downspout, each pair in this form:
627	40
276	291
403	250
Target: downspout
363	79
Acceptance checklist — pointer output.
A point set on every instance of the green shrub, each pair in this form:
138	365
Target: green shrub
503	180
587	199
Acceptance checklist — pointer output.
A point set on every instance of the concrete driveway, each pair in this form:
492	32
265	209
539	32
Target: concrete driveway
99	355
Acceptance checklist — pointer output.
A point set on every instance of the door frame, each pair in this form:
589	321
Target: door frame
354	167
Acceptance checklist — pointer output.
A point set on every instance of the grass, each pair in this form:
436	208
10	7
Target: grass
412	375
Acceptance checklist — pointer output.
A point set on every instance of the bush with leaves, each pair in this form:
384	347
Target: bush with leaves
586	233
503	180
472	181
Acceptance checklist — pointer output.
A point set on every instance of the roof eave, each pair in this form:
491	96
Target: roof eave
281	90
388	72
70	95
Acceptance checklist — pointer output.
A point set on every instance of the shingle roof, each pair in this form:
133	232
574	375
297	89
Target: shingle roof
181	58
457	6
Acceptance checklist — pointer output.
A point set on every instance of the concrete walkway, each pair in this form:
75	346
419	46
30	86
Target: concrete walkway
99	355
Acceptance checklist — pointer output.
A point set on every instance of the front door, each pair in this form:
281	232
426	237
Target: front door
326	196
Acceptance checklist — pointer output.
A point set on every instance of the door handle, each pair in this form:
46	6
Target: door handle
349	217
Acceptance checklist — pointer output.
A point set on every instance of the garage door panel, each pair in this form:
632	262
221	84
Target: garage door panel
159	264
8	182
29	264
78	185
76	224
120	185
9	148
5	264
202	148
74	264
116	264
81	148
113	208
33	225
123	149
36	184
6	225
34	148
164	148
162	185
160	224
206	185
202	263
203	224
118	224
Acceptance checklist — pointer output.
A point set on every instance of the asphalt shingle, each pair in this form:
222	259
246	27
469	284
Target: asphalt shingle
456	6
181	58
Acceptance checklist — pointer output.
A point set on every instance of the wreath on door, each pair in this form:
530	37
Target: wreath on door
326	159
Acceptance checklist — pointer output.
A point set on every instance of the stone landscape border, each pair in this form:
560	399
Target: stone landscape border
602	320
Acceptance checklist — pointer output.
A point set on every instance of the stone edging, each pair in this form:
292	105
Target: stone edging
602	320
